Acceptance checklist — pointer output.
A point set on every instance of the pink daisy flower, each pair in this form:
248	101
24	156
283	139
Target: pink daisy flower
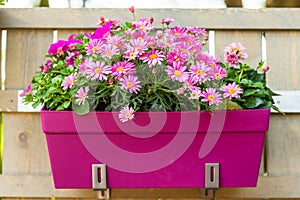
126	114
177	72
199	72
109	51
93	47
139	45
123	68
231	91
97	70
68	82
153	58
235	52
143	24
130	83
175	57
211	96
195	94
82	95
131	54
218	73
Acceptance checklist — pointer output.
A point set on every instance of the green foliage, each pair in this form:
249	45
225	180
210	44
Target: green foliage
256	93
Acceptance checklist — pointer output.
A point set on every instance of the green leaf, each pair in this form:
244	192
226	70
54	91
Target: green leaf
81	109
253	102
66	104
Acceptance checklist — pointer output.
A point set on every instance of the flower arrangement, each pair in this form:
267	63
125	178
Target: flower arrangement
130	67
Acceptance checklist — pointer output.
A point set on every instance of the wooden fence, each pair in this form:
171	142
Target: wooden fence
25	167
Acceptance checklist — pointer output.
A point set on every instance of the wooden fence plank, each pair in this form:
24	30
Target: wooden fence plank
283	55
0	58
249	39
25	52
283	144
63	34
42	186
24	145
231	18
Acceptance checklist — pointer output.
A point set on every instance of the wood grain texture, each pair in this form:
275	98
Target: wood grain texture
283	56
24	145
63	34
283	145
25	53
8	100
230	18
0	58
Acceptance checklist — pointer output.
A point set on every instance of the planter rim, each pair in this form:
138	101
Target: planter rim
252	120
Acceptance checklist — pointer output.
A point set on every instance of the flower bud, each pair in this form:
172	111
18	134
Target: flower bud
131	9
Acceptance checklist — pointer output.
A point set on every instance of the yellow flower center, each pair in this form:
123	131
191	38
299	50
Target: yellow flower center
177	73
167	44
83	96
142	27
210	97
212	64
199	72
132	55
127	115
217	75
153	56
95	48
108	53
129	84
71	81
119	69
231	91
97	70
183	50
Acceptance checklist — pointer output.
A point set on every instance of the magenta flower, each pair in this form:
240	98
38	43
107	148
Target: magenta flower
231	91
199	72
126	114
93	47
26	91
130	83
177	72
97	70
153	58
58	48
46	67
82	95
68	82
123	68
71	58
211	96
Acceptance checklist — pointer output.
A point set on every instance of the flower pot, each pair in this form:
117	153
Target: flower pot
157	149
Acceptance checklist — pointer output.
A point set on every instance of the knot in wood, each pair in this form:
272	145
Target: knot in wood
22	137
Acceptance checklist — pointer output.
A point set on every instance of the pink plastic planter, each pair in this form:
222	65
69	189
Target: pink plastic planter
156	150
